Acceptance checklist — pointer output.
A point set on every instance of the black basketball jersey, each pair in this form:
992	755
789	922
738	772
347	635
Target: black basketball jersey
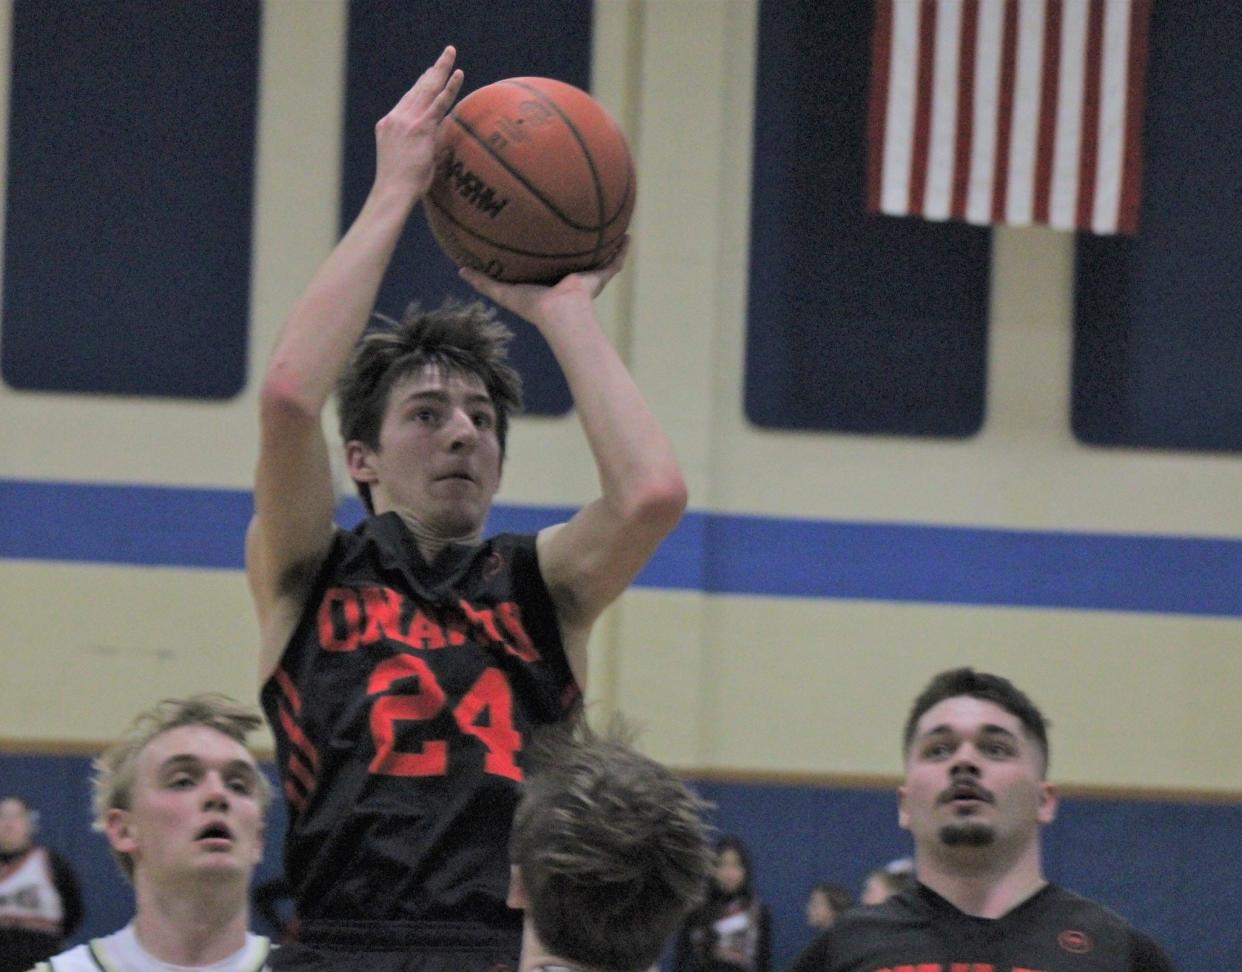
401	708
919	931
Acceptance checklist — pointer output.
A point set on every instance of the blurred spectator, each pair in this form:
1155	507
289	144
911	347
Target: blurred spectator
893	878
40	902
732	932
825	904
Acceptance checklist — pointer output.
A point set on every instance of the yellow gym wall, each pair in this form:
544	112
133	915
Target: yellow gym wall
811	688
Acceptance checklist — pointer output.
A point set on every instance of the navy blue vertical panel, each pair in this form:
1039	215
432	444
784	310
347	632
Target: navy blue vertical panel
130	199
1157	346
390	43
856	323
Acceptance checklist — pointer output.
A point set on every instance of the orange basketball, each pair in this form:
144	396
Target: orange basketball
533	181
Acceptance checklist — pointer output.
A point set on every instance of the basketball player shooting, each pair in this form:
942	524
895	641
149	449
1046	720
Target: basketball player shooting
405	663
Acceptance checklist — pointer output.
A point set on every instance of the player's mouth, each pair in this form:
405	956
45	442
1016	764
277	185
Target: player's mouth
215	836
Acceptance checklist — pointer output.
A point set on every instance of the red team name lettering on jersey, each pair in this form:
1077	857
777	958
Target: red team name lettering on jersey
352	618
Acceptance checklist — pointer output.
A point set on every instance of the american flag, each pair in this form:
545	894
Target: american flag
1009	111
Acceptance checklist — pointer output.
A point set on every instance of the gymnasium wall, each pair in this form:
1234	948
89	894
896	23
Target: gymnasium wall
826	569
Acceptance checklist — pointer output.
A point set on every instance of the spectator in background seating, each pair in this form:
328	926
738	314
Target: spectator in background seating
825	904
732	932
884	882
40	902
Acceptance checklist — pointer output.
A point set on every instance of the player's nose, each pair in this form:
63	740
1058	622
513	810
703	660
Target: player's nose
215	792
462	430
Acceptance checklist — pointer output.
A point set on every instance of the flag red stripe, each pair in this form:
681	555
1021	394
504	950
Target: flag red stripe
877	113
1049	90
1004	110
1132	166
1088	151
965	108
923	111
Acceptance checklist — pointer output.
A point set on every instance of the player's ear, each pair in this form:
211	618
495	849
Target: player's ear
360	461
903	815
119	831
260	843
1048	801
517	889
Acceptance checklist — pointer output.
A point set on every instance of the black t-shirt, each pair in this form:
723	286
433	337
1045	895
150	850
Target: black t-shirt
401	710
1052	931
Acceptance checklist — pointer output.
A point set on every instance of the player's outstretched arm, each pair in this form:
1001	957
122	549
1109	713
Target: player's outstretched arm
294	501
588	561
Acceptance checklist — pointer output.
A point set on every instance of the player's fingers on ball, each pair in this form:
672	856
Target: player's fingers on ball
432	79
448	94
440	70
447	57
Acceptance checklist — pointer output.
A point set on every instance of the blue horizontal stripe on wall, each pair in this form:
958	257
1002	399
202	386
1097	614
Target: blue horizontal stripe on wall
157	526
969	565
149	526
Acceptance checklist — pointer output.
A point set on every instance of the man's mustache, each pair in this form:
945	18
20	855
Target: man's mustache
965	790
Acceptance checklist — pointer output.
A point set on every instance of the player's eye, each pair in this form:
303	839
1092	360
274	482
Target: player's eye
181	781
936	750
241	784
484	420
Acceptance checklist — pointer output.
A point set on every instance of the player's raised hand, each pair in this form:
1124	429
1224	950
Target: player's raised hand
534	302
405	137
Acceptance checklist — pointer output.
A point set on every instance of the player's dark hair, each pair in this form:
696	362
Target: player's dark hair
979	685
458	338
611	847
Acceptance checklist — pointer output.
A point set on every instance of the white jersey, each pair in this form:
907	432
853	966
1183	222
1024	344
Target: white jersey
120	952
28	895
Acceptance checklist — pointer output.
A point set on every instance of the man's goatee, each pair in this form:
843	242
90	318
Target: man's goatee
967	835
